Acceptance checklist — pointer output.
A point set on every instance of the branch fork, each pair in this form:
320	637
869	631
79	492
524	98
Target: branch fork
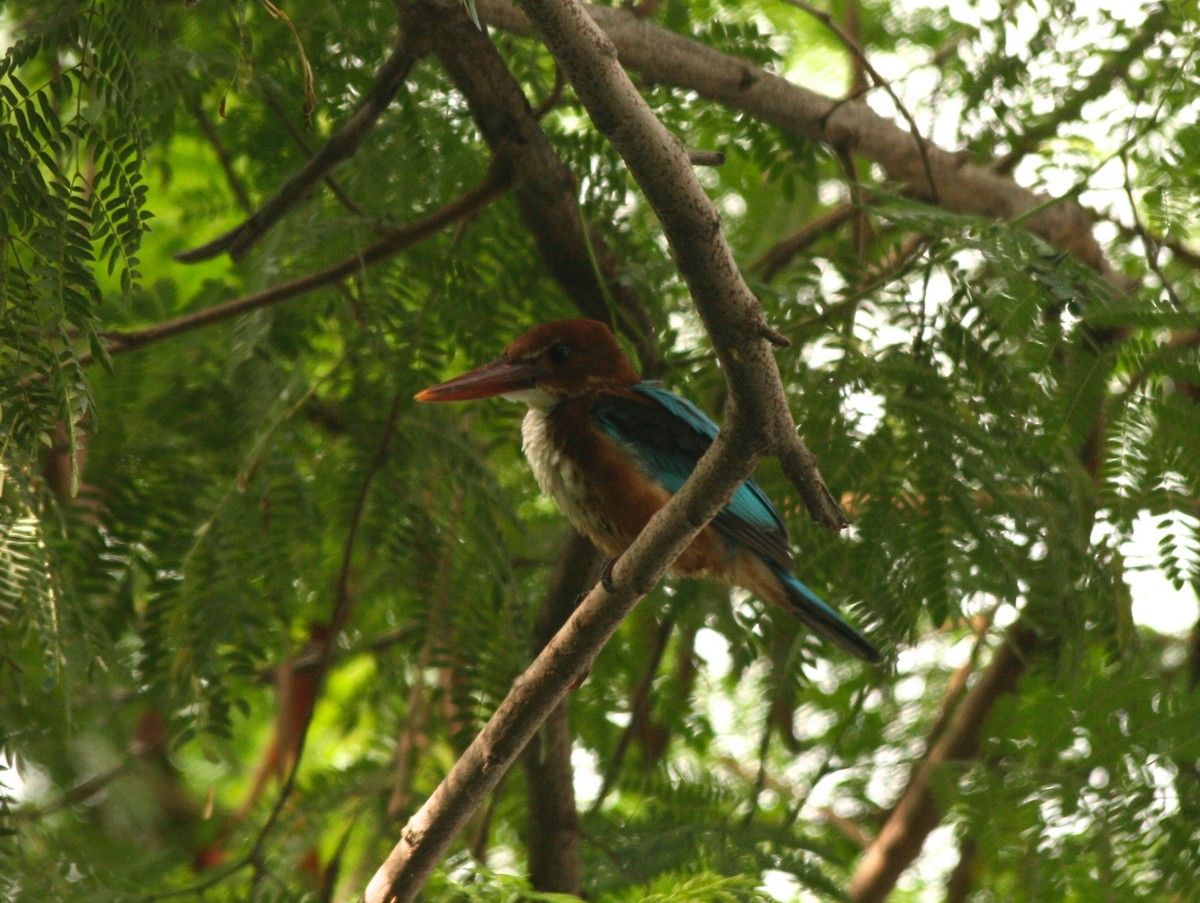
758	417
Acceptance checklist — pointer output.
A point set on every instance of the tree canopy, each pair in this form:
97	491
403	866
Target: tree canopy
935	266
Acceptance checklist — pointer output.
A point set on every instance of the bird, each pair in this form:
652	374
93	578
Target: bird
611	449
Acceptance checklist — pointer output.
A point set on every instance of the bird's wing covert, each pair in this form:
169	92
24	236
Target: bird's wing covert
667	435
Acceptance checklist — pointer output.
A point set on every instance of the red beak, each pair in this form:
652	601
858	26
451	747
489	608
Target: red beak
497	378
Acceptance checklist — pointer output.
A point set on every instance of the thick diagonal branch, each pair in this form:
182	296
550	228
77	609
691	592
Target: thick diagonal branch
757	421
535	694
660	165
663	57
573	250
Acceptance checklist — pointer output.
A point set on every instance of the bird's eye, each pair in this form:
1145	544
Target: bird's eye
558	354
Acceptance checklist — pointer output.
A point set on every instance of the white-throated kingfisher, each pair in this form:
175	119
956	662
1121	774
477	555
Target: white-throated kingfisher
611	449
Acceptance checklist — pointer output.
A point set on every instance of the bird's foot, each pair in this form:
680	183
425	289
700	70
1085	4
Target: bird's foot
606	573
606	580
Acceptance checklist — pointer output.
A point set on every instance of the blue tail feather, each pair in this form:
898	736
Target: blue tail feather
824	620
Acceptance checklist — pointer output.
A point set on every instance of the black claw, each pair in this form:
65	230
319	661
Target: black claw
606	571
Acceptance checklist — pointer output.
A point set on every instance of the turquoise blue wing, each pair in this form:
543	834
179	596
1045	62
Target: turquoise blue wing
666	435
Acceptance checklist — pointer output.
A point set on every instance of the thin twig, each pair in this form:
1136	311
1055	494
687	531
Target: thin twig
855	186
333	869
888	270
236	185
706	157
81	792
1148	243
827	764
880	81
779	255
307	661
858	76
395	241
554	97
760	773
338	616
641	701
342	145
1181	252
301	142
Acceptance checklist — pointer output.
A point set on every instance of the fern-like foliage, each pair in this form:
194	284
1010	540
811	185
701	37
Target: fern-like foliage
180	524
73	203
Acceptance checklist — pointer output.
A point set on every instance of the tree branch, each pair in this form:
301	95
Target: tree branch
575	252
1182	252
393	242
918	812
757	419
340	147
663	57
553	842
543	685
780	254
298	136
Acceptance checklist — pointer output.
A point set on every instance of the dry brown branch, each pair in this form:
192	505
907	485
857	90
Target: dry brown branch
311	659
705	157
554	98
429	833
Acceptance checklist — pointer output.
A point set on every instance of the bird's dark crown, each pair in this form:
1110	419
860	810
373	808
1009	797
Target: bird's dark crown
574	355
